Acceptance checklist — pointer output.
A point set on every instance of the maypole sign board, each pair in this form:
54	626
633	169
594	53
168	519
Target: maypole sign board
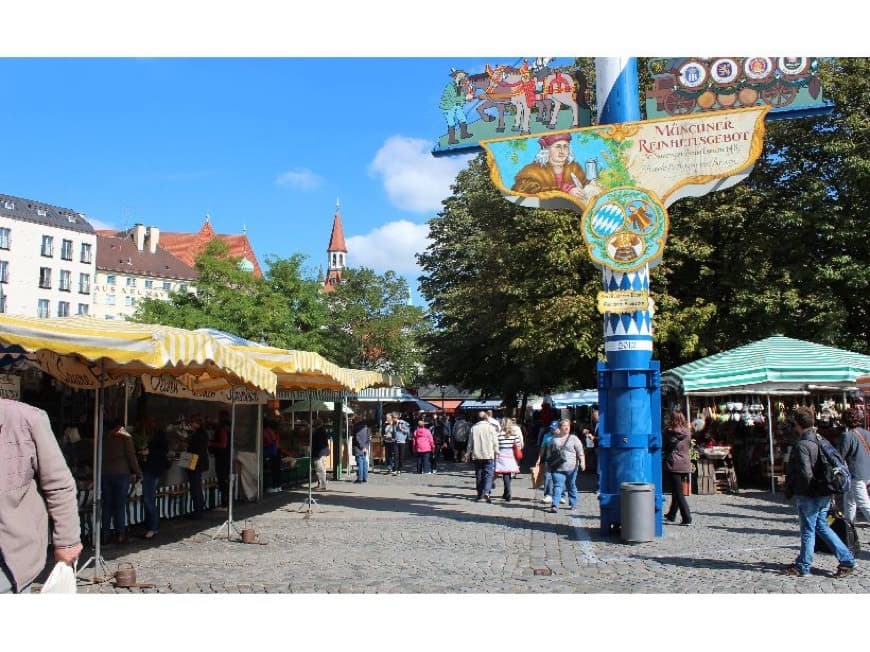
790	86
10	387
621	177
527	96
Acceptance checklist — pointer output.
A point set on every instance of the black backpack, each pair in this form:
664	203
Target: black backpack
831	472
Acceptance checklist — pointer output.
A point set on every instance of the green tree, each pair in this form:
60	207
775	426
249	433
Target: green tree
371	326
512	294
282	309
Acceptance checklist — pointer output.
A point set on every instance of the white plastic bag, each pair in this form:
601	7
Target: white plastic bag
61	580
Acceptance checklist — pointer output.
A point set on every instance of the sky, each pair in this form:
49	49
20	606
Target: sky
172	116
267	145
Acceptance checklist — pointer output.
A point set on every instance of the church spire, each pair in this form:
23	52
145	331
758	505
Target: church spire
335	252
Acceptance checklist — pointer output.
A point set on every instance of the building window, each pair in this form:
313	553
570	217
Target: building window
86	252
167	286
2	303
45	277
84	283
66	250
182	287
4	238
131	282
47	245
129	301
65	280
110	316
111	279
83	309
149	285
63	308
110	299
10	205
4	271
42	308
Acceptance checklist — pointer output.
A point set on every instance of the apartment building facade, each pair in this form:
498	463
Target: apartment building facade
47	259
131	266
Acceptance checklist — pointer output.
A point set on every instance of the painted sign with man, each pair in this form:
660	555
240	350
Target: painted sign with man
621	177
526	97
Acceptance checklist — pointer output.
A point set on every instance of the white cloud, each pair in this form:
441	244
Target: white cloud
99	225
392	246
413	178
301	178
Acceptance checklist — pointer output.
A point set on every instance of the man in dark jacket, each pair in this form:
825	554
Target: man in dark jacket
197	444
854	446
813	499
362	437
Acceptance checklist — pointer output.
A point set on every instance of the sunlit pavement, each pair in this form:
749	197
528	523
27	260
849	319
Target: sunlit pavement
425	534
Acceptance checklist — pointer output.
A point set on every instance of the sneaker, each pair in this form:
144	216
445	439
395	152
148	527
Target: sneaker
562	501
794	571
434	471
547	500
574	510
553	509
487	498
843	571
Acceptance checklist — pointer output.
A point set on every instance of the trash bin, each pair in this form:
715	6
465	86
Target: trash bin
638	511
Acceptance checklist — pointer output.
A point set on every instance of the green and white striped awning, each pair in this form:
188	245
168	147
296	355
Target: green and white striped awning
775	364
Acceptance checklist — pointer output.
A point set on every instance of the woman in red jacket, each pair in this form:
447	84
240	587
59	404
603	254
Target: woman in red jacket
677	464
424	445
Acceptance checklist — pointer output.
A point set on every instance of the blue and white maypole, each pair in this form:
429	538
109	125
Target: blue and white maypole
629	382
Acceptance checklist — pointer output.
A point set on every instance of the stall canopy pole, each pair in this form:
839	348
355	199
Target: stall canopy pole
310	449
770	436
99	563
688	409
126	402
259	452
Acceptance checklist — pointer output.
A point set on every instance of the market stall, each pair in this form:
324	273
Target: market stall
743	395
91	353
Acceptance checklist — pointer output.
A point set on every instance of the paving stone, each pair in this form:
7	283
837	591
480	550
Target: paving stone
401	534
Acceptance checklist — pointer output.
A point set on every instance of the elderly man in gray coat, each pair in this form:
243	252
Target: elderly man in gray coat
35	482
482	451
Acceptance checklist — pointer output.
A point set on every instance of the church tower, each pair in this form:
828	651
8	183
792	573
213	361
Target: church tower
336	253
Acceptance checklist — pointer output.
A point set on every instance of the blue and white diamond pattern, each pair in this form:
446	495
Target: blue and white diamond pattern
608	219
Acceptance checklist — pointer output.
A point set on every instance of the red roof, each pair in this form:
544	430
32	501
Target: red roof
188	246
118	253
336	242
333	278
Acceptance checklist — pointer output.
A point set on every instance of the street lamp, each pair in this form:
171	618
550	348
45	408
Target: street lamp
441	387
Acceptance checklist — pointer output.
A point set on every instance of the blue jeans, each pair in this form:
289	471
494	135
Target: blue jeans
424	462
362	468
149	500
813	513
454	115
484	470
116	493
195	480
561	479
548	483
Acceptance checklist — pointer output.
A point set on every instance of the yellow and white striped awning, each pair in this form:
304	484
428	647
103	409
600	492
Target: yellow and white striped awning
299	369
124	348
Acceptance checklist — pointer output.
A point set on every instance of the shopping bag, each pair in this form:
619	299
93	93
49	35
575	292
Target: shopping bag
518	452
537	475
188	461
61	580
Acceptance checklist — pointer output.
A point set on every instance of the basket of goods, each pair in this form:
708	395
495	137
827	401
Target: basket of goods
716	452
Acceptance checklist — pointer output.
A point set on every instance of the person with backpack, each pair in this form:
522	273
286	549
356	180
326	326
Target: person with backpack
460	438
563	455
815	472
854	447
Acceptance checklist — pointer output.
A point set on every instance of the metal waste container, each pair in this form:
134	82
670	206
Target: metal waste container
637	511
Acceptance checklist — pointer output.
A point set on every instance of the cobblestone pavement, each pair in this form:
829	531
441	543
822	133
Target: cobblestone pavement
425	534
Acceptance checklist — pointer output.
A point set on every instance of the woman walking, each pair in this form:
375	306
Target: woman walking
677	464
564	455
506	464
120	467
424	445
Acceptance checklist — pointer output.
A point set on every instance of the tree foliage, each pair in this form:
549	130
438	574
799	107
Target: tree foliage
371	326
511	292
282	309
